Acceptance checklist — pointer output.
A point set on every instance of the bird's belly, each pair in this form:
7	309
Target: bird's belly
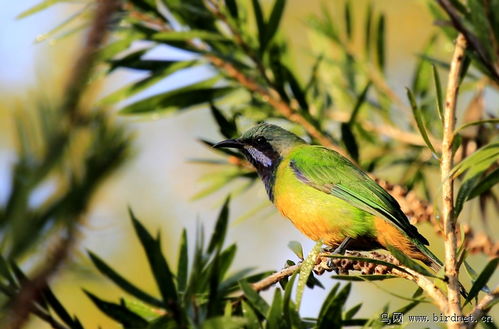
317	214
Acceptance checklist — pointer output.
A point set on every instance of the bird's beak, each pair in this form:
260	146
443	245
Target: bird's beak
229	143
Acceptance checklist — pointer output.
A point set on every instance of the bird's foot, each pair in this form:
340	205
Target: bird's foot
342	247
332	263
322	265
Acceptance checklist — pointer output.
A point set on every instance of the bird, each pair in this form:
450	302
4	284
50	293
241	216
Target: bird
326	196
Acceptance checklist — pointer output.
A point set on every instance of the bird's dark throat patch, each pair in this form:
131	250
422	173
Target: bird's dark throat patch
265	160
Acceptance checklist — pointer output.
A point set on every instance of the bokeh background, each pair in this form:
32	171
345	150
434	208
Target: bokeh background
159	182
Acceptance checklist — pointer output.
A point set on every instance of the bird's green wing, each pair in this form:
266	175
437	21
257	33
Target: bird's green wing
331	173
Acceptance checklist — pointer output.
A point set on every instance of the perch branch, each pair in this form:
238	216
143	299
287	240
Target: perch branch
448	218
483	306
345	266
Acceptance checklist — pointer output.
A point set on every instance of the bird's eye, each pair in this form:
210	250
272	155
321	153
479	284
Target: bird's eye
260	139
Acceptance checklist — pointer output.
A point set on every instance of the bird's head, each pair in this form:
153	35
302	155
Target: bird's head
263	145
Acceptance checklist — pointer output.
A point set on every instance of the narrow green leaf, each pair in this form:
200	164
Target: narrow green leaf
60	26
118	46
18	273
230	283
138	86
132	59
187	35
178	99
157	263
355	323
5	271
296	247
59	309
351	312
471	272
38	7
365	277
218	237
422	73
141	309
482	279
325	26
418	115
220	322
358	104
313	282
182	262
406	308
274	317
443	64
438	92
227	128
288	308
163	322
233	10
349	141
463	194
254	299
406	261
273	23
121	282
418	292
118	312
380	43
456	143
485	184
252	321
296	89
260	21
483	158
226	258
466	63
330	313
214	302
368	29
348	20
476	123
305	270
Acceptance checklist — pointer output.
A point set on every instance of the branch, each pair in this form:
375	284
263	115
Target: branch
272	97
448	218
388	130
345	266
483	307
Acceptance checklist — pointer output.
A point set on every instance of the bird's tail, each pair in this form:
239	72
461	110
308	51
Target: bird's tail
436	264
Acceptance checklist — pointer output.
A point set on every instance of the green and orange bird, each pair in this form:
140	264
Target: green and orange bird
326	196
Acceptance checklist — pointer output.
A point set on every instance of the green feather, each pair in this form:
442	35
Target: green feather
330	172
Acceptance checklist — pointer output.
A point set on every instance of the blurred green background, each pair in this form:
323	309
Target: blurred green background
159	182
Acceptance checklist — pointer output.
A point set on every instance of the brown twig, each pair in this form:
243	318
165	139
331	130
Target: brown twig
390	131
483	307
448	218
271	96
346	266
31	290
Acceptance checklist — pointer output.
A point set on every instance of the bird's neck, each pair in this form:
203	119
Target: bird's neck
267	174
